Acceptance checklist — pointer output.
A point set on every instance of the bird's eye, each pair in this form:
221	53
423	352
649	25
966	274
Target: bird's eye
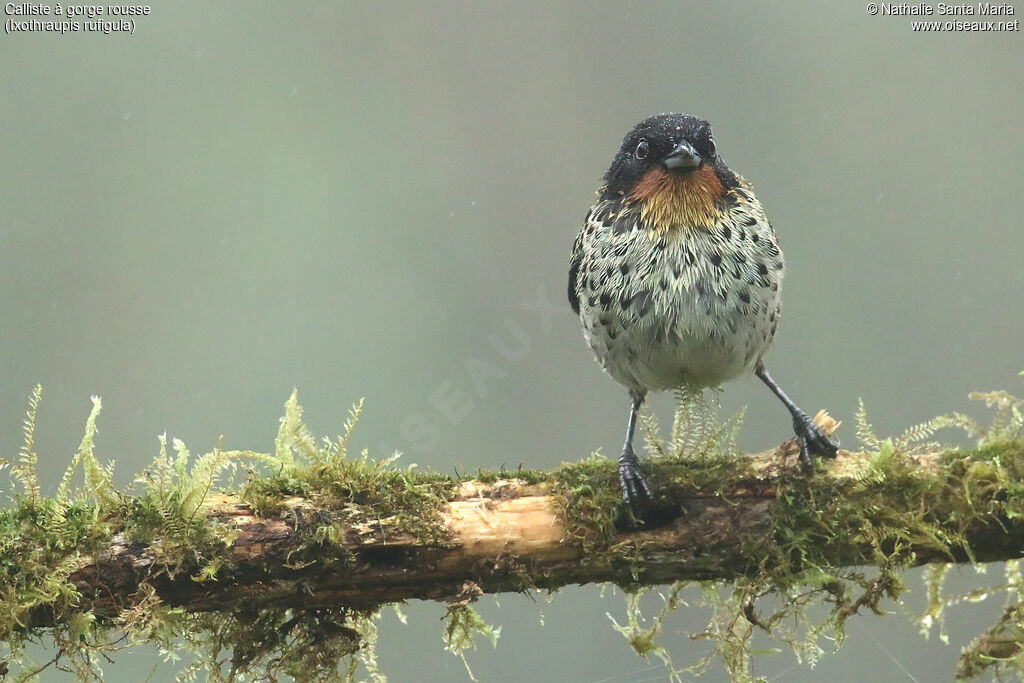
641	150
711	145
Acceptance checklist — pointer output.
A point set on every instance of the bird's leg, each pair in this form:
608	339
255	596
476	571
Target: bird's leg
813	441
634	488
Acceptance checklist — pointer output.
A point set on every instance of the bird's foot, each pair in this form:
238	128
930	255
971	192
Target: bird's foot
635	491
813	440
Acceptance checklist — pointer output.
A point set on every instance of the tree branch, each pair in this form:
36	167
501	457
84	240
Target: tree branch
714	518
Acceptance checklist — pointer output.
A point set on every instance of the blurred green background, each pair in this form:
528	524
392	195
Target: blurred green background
357	199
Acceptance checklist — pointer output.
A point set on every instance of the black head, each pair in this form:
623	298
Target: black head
679	143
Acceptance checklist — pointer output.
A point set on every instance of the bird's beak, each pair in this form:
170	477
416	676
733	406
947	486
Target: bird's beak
683	158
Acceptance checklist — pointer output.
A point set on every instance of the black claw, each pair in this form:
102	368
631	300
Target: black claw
635	491
813	440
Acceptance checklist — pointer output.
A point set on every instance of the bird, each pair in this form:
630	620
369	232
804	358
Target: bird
676	276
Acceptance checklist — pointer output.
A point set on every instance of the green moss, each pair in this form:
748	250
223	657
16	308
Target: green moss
346	488
888	515
891	515
588	494
44	540
589	497
462	624
37	556
527	476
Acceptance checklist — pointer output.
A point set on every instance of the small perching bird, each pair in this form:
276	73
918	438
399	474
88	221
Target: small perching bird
675	276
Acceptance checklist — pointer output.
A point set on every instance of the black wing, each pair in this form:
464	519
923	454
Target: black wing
574	268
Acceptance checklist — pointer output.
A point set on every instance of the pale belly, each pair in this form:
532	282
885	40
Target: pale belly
696	342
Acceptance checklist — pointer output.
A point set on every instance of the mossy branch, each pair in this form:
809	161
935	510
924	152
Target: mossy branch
290	571
713	520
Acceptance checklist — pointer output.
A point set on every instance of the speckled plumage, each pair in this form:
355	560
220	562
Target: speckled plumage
687	305
676	277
